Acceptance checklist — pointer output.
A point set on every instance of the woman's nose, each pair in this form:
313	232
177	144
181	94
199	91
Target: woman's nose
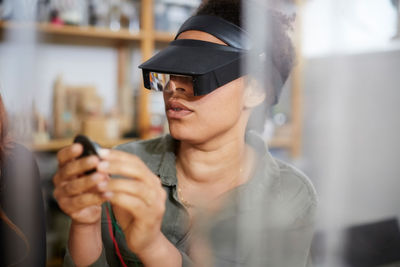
176	85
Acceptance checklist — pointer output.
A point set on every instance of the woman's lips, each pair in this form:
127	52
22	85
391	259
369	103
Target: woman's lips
176	110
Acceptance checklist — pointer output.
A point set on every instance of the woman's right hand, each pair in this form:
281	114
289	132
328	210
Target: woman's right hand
79	195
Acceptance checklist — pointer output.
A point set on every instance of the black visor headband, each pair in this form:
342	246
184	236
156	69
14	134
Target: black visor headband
224	30
209	64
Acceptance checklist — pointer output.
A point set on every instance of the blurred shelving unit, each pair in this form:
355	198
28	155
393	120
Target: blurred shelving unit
121	40
147	38
75	31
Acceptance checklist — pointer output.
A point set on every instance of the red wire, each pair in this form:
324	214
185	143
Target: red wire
113	239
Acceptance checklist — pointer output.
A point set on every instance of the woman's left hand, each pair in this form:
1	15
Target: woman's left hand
138	201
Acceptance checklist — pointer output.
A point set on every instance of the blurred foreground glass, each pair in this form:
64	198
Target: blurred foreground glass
347	68
350	129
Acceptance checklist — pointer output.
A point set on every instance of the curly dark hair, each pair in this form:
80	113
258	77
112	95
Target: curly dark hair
230	10
279	47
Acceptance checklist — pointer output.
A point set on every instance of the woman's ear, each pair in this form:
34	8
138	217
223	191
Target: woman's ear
254	94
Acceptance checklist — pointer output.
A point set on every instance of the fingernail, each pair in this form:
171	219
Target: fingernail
96	177
103	165
92	160
75	148
104	152
102	185
108	195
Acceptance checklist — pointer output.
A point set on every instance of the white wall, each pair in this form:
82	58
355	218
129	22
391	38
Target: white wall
351	136
343	26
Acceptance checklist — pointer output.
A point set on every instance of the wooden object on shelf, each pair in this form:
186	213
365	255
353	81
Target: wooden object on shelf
71	106
65	109
58	95
101	128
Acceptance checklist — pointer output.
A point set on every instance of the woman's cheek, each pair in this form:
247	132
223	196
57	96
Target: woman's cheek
216	119
214	113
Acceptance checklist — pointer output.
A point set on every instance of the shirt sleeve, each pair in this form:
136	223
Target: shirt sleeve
278	235
292	245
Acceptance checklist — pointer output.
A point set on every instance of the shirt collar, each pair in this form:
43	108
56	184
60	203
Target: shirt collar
267	165
166	169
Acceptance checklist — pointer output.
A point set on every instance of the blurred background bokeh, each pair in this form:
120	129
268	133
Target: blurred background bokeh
69	66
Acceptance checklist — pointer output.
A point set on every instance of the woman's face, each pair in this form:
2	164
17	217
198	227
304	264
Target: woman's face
199	118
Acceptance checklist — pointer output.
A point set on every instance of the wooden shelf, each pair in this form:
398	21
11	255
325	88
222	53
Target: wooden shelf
57	144
100	34
87	31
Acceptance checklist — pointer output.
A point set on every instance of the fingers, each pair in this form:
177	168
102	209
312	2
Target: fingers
136	207
137	198
127	165
81	198
75	168
129	203
134	188
69	153
81	185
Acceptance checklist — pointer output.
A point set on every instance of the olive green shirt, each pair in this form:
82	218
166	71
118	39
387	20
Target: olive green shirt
267	221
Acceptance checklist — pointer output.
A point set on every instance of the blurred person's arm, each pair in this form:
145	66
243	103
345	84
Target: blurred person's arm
23	208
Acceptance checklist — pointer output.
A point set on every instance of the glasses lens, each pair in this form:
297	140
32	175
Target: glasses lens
161	81
158	81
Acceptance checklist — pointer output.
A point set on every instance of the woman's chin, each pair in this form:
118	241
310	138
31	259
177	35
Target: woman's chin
179	132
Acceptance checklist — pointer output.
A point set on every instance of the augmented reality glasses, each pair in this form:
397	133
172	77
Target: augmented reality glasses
209	65
206	65
161	81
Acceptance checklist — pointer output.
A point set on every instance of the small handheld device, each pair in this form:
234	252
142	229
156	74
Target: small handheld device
89	148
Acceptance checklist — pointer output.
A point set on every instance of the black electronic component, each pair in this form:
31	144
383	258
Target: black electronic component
89	148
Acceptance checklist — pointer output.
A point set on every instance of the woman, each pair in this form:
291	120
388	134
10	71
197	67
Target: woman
207	194
22	225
